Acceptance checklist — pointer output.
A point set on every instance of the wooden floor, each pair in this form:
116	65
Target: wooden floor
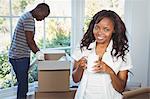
143	96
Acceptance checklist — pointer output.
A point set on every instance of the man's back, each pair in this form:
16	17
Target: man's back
19	47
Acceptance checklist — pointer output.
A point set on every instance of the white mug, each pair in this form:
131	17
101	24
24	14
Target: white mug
91	62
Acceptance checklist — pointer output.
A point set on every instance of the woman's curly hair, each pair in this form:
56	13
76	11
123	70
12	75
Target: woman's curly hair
120	41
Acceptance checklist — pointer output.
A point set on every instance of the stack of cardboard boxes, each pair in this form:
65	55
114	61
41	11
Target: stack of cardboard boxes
53	77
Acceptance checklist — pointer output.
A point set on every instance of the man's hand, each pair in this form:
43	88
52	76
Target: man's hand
39	55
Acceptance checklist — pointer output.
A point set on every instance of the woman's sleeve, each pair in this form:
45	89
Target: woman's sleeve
127	64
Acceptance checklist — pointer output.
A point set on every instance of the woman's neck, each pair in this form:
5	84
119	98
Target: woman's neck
100	49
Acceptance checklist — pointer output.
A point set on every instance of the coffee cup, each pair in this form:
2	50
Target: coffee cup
91	62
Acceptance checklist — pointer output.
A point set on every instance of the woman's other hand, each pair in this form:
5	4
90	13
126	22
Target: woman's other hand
102	67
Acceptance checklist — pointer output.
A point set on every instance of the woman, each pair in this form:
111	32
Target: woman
102	61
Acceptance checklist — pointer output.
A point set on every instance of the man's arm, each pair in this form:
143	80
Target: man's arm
31	42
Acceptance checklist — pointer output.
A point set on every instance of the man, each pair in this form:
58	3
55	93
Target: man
23	43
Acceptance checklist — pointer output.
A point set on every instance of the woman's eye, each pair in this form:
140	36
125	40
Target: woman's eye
96	28
106	29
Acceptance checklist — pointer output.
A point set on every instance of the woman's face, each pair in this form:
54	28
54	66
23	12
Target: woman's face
103	30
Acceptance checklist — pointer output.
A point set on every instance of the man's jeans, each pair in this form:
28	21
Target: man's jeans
21	67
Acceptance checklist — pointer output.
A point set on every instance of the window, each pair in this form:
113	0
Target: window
5	30
94	6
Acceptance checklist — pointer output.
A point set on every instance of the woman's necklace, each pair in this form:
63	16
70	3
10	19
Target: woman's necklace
100	54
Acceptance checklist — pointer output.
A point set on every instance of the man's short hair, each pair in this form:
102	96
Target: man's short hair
43	6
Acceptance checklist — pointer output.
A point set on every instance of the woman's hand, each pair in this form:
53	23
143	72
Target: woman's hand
118	80
78	69
102	67
82	63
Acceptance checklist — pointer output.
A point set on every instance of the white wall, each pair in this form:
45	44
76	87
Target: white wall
136	19
149	41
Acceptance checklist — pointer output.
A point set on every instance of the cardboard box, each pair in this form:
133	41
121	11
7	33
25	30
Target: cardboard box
54	54
53	81
56	95
53	75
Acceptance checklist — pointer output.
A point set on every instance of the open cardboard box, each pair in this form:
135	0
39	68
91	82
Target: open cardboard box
53	73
